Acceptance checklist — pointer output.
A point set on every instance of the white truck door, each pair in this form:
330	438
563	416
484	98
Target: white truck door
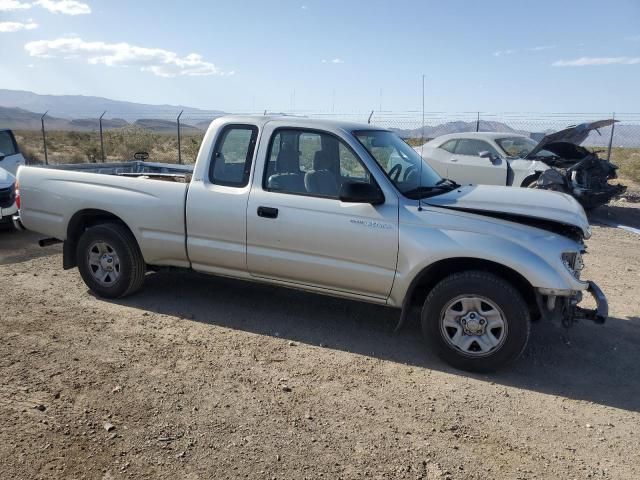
10	157
217	204
467	167
299	232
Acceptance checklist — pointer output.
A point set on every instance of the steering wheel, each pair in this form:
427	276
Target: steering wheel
408	171
394	173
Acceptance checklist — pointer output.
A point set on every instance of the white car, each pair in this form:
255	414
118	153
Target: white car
8	206
557	162
10	156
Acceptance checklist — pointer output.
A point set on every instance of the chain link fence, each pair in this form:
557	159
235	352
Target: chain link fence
175	137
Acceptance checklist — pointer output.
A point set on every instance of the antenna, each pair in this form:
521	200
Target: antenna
421	147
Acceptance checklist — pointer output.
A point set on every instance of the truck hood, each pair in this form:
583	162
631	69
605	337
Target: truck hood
6	179
536	208
575	135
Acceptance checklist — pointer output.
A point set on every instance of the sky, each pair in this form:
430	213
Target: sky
330	55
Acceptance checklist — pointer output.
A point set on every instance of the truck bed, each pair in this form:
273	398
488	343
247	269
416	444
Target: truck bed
129	191
134	168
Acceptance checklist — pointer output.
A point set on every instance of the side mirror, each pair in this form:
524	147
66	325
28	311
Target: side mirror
489	156
358	192
2	155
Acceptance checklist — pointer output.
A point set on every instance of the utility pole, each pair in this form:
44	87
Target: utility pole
478	122
101	139
613	117
44	138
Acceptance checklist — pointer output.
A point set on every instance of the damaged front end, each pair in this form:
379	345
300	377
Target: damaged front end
586	179
563	306
574	169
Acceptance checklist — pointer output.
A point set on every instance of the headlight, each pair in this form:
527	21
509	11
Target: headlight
573	262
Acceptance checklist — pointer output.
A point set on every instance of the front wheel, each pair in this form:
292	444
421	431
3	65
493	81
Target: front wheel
476	321
110	261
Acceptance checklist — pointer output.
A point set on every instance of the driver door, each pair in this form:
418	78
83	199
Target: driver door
307	236
467	167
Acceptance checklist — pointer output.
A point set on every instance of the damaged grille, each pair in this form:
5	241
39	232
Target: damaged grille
7	196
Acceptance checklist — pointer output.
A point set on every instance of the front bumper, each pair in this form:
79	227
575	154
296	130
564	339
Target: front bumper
557	305
598	314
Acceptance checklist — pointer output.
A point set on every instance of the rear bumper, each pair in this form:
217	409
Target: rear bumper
17	223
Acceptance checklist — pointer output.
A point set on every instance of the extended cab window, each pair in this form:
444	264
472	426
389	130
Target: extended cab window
473	147
311	163
7	144
232	155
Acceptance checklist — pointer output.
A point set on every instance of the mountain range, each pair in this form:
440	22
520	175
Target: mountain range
21	110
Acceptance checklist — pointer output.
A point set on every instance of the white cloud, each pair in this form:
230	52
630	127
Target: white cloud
304	7
499	53
8	5
163	63
6	27
593	61
335	60
541	48
66	7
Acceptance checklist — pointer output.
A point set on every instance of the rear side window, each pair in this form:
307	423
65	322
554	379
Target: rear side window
473	147
7	144
232	156
449	146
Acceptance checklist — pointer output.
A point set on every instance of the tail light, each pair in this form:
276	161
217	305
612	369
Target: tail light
18	194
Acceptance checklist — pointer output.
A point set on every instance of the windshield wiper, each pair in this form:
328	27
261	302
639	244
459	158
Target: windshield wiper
448	181
424	191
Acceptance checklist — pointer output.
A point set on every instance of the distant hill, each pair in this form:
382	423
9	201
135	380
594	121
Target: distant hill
80	106
457	127
20	119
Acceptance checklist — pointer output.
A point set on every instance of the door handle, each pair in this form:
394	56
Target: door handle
454	159
268	212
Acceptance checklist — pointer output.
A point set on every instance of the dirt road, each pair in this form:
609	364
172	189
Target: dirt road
199	377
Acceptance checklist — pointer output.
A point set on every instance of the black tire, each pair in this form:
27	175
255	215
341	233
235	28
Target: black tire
132	268
480	284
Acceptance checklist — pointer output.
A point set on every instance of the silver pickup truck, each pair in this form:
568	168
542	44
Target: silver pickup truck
322	206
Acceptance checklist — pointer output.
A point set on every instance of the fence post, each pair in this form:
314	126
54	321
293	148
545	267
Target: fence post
44	138
613	125
478	122
101	139
370	115
178	125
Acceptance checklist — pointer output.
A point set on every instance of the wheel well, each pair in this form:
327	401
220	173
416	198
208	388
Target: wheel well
530	178
433	274
78	224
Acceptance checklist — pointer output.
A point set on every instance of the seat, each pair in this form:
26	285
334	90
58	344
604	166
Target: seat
321	180
288	177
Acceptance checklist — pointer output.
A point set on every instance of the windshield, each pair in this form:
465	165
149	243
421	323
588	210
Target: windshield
402	164
520	146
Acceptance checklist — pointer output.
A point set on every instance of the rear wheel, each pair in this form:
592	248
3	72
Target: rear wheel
476	321
109	261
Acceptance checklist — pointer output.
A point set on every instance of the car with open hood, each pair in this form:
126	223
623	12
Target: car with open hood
336	208
557	162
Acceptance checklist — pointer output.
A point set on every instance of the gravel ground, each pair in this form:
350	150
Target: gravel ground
200	377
